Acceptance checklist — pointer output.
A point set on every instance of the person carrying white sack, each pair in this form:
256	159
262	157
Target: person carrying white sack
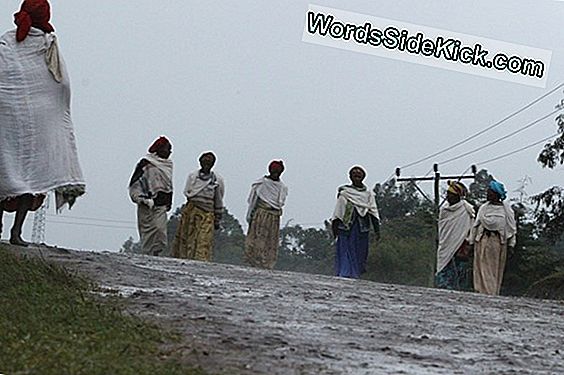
150	188
37	144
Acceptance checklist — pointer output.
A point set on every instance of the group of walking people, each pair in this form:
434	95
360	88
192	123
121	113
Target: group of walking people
483	238
463	235
151	189
38	154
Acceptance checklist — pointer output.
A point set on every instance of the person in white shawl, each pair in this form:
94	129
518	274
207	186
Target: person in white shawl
37	144
266	200
202	212
453	253
355	212
494	230
150	188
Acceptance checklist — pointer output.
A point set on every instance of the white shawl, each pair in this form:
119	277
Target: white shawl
455	225
196	185
271	192
363	201
495	217
159	175
37	142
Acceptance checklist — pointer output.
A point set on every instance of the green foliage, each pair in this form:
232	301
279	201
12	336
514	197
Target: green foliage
306	250
396	201
229	241
551	287
549	210
52	323
531	260
477	189
131	246
553	152
406	252
549	213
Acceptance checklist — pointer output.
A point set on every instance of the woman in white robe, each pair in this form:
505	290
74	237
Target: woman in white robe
150	188
266	200
453	253
37	143
493	232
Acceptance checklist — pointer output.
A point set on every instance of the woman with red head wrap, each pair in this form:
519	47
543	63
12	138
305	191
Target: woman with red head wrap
150	188
266	200
37	142
33	13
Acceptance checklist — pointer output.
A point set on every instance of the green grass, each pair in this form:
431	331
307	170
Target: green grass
51	323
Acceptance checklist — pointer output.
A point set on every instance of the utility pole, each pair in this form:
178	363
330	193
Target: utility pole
437	180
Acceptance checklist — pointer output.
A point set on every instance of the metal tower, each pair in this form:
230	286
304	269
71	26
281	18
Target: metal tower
38	231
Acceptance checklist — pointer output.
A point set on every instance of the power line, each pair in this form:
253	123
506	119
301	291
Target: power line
93	219
518	150
91	225
467	139
500	138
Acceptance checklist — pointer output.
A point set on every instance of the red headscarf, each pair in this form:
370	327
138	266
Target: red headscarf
34	13
162	141
276	165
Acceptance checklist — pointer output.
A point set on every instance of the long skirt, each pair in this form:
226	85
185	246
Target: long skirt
12	204
151	223
261	244
455	276
352	252
194	235
489	264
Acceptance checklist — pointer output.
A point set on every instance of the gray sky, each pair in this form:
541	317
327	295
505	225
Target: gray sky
235	78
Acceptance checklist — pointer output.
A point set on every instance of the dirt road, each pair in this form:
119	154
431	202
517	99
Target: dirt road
239	320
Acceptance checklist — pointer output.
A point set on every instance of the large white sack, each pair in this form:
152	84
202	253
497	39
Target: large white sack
37	143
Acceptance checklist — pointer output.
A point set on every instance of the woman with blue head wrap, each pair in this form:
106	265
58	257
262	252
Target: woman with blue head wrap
494	230
498	188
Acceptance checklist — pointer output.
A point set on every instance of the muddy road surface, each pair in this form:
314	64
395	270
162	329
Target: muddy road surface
238	320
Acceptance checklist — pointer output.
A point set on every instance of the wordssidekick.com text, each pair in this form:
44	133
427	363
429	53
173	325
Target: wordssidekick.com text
394	38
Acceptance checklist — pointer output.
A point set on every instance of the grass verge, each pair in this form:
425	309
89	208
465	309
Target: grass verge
51	323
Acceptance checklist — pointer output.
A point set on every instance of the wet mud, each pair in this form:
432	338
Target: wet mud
238	320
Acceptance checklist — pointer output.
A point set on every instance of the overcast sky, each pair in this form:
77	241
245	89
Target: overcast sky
236	78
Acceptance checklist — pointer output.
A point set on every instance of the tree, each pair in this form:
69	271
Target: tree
531	260
406	252
396	201
308	250
477	189
549	210
229	241
130	247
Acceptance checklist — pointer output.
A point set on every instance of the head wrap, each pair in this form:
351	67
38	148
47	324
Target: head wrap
457	188
276	165
359	168
209	153
34	13
162	141
499	189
